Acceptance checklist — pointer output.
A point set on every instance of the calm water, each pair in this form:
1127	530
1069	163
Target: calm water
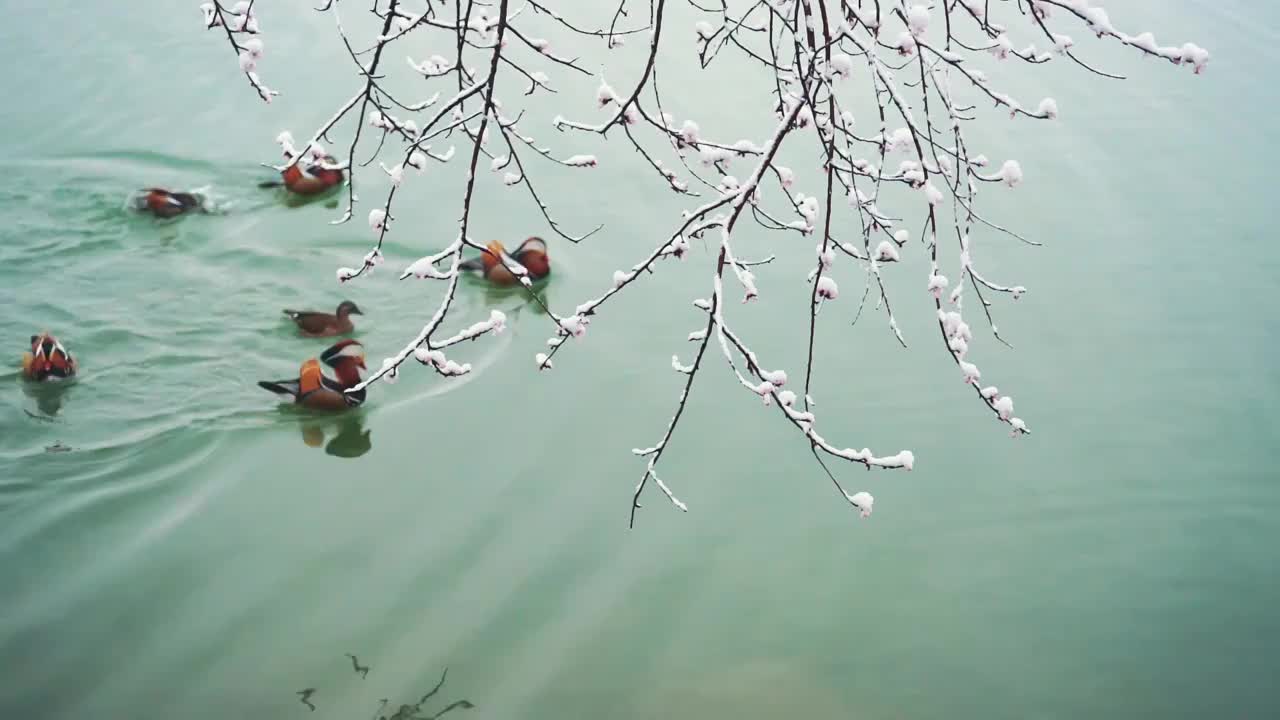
202	554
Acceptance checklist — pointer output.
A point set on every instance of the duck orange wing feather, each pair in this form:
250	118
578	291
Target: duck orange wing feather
310	377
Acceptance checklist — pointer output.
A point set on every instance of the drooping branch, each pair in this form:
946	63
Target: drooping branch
816	59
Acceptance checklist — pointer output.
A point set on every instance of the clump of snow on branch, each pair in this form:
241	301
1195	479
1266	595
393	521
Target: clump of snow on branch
240	26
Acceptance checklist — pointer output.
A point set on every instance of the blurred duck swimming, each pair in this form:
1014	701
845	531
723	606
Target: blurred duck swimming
313	389
47	360
532	254
308	176
166	203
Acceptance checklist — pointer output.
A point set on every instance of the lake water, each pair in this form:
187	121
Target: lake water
200	553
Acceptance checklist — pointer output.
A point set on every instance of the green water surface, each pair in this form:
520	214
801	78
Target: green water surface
202	553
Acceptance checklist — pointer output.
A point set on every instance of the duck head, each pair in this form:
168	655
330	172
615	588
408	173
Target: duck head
347	360
532	254
48	359
346	307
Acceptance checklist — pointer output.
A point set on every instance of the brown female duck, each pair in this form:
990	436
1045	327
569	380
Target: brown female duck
319	324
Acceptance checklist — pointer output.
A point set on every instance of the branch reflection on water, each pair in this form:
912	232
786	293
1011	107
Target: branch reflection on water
416	711
413	712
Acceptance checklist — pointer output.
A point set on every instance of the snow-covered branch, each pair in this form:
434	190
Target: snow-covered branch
904	169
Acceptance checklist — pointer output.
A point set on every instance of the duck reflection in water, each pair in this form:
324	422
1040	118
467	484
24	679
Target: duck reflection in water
532	299
48	397
350	438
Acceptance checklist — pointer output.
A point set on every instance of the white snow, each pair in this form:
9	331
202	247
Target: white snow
1010	173
932	194
430	357
1004	406
1195	56
777	378
864	501
899	139
906	44
976	7
937	283
1002	47
1098	20
605	94
689	132
253	46
574	325
826	257
827	288
841	65
887	252
709	155
918	19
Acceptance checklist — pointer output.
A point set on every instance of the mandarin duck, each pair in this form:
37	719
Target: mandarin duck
313	389
319	324
166	203
532	254
47	360
308	178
